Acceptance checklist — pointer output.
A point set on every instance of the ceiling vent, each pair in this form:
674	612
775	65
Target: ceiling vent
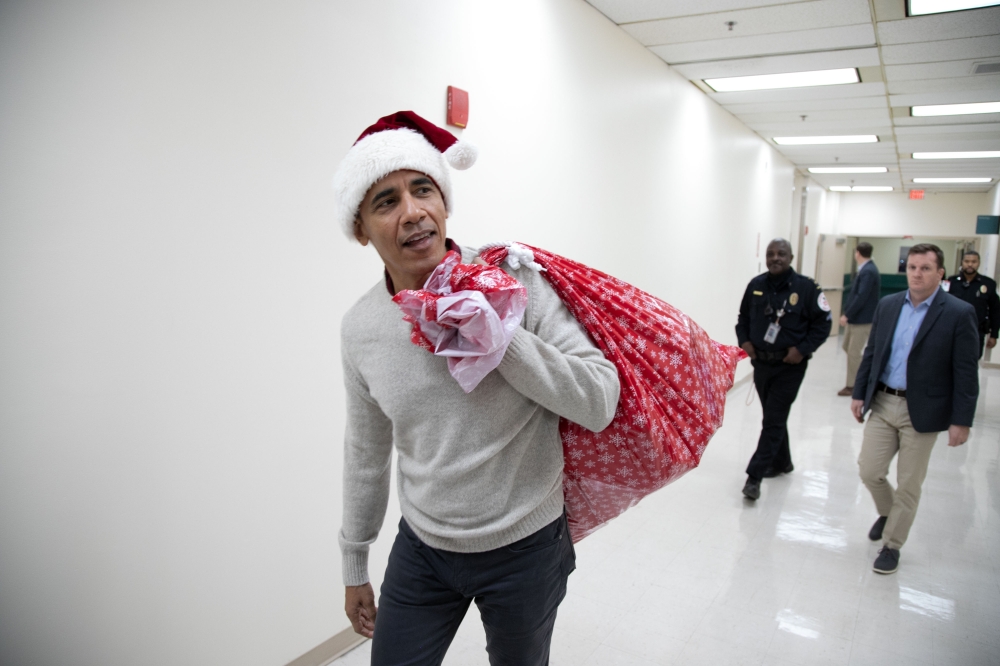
986	68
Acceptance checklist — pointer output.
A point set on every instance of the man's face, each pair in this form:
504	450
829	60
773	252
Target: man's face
403	216
970	264
779	257
922	273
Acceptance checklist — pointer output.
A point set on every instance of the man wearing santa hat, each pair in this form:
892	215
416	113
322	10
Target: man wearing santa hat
479	474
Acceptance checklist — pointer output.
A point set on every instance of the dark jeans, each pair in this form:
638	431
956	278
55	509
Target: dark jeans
777	385
517	588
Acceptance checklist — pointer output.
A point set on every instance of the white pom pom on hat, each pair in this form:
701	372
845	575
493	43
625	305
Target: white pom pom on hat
403	140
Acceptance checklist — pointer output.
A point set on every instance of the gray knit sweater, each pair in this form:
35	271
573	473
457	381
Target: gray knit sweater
476	471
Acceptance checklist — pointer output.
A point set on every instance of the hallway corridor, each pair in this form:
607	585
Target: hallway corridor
697	575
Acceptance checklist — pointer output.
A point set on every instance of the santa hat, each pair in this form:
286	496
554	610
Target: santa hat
403	140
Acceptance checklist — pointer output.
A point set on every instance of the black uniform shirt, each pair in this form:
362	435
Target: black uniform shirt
982	294
806	321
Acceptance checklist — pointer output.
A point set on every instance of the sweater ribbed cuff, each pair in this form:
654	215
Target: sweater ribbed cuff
354	567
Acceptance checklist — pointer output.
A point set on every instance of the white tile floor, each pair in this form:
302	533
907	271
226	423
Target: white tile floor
697	575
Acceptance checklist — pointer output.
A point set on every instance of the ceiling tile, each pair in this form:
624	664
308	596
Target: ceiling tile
629	11
878	116
781	63
949	49
757	21
944	97
806	106
801	94
820	39
989	82
952	25
912	144
933	70
964	128
957	121
822	128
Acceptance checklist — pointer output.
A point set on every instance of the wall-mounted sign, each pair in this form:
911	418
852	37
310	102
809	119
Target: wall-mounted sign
916	194
988	224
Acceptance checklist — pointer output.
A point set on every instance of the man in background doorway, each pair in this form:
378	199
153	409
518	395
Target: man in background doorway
859	310
784	318
918	377
981	293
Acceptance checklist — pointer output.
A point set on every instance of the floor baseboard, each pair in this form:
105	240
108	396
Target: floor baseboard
328	650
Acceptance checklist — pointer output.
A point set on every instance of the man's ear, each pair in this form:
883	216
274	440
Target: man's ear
359	231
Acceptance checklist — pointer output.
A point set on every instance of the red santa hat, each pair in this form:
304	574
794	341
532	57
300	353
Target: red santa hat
403	140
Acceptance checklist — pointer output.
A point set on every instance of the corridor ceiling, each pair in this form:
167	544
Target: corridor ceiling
902	61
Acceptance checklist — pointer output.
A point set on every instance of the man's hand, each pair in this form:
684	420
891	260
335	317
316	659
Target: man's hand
793	356
843	320
748	348
478	261
991	343
958	435
856	408
360	608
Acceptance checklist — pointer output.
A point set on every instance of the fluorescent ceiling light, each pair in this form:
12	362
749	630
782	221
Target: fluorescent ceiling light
952	180
814	140
860	188
823	77
955	109
921	7
967	155
848	170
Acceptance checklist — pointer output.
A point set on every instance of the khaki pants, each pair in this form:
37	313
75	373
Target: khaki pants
889	431
855	339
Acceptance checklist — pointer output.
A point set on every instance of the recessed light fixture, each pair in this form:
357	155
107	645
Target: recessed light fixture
966	155
955	109
921	7
823	77
860	188
815	140
848	170
952	180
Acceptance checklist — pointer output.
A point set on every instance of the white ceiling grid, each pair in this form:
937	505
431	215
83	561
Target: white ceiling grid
903	61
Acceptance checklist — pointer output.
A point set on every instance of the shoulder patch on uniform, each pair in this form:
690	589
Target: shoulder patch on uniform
946	285
821	302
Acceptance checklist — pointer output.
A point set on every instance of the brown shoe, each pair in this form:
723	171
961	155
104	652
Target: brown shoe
847	390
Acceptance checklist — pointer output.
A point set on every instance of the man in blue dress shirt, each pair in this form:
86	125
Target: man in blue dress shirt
919	376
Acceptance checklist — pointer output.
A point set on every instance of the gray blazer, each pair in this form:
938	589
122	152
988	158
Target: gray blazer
942	371
863	297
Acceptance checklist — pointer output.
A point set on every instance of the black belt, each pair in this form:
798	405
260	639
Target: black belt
891	391
771	355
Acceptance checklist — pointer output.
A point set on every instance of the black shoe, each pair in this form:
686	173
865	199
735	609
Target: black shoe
887	561
752	489
770	472
875	533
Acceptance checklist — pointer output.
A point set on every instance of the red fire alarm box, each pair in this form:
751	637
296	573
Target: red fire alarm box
916	194
458	107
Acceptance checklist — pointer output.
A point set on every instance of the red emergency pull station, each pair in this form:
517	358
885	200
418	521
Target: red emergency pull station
458	107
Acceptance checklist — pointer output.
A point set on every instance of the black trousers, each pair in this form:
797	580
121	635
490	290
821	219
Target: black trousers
777	385
518	588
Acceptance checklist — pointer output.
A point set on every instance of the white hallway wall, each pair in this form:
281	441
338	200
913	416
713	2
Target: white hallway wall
170	388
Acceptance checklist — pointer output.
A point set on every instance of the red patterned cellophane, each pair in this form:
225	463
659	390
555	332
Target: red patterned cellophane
674	380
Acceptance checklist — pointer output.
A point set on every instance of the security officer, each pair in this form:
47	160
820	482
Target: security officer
784	318
981	292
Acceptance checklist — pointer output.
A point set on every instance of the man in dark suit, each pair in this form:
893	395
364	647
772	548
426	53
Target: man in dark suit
919	376
980	292
859	310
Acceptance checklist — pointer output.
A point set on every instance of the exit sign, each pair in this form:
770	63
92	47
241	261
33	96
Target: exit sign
916	194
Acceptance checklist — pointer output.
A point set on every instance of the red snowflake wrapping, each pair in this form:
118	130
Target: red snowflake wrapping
674	380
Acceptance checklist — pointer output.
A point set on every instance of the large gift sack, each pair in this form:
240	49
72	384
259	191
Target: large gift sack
674	378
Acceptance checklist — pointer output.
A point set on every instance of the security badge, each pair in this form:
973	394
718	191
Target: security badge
793	299
775	326
983	289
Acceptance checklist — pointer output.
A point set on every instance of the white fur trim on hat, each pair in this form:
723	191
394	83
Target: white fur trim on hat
375	157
